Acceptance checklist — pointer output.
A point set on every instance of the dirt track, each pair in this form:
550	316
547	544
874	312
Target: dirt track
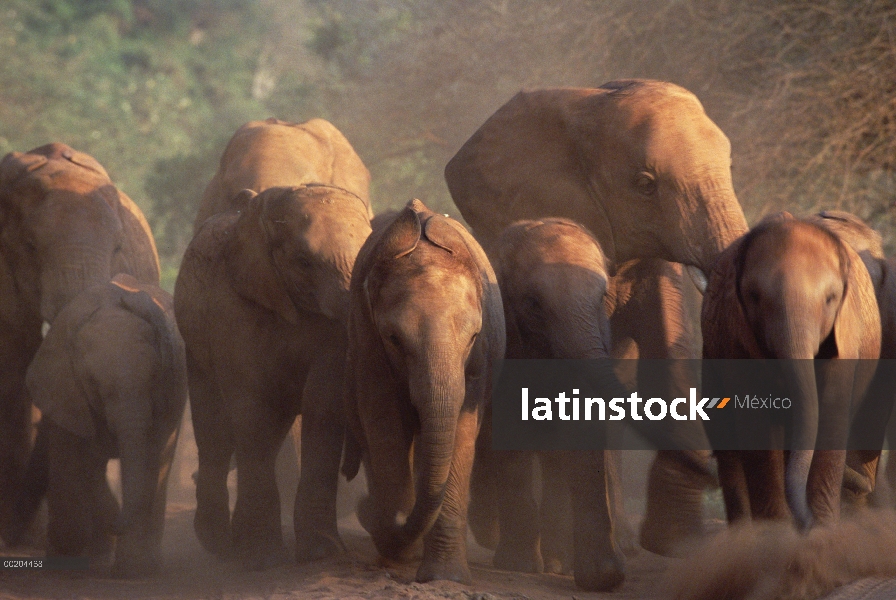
191	573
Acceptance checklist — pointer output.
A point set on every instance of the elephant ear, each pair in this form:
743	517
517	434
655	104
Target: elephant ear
18	164
53	378
138	255
858	323
249	264
402	235
726	333
887	303
524	163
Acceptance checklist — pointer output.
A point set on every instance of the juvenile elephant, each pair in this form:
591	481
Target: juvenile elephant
867	243
425	330
274	153
64	227
553	280
791	289
110	381
262	300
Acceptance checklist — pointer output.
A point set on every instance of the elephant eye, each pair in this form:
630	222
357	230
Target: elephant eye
831	298
646	183
394	340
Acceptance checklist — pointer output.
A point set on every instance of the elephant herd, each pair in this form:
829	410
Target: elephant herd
599	217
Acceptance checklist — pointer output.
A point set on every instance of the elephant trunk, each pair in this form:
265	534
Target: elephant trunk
800	378
725	222
438	406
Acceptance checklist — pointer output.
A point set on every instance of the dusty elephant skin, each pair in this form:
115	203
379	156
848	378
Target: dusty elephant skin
641	166
110	381
274	153
64	227
553	280
792	290
425	328
261	301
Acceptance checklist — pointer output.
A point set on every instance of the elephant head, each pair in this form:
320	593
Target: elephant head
274	153
293	249
553	279
639	163
65	227
791	289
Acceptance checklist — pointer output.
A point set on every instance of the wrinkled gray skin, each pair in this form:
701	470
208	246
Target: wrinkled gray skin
638	163
110	379
867	243
553	280
64	227
425	330
261	301
792	290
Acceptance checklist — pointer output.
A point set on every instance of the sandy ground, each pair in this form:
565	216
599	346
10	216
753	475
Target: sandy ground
190	572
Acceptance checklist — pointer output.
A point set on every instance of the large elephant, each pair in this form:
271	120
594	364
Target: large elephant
790	289
425	331
553	280
110	380
637	162
261	300
64	227
273	153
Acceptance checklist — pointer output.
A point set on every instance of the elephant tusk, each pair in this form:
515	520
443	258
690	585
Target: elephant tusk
698	277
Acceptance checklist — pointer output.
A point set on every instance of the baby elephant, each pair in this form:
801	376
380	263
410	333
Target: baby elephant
110	380
425	330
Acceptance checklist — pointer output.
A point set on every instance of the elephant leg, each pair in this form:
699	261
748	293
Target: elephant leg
137	553
518	547
599	565
78	522
823	487
764	475
215	446
323	432
257	533
555	514
625	534
389	482
445	545
674	510
734	485
483	511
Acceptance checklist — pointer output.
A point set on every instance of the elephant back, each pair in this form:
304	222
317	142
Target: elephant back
274	153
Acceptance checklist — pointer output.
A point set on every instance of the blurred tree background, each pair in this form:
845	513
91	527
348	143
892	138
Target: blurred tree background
154	89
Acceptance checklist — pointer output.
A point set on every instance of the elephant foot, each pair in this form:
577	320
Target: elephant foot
444	570
213	535
388	538
519	559
604	576
316	546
